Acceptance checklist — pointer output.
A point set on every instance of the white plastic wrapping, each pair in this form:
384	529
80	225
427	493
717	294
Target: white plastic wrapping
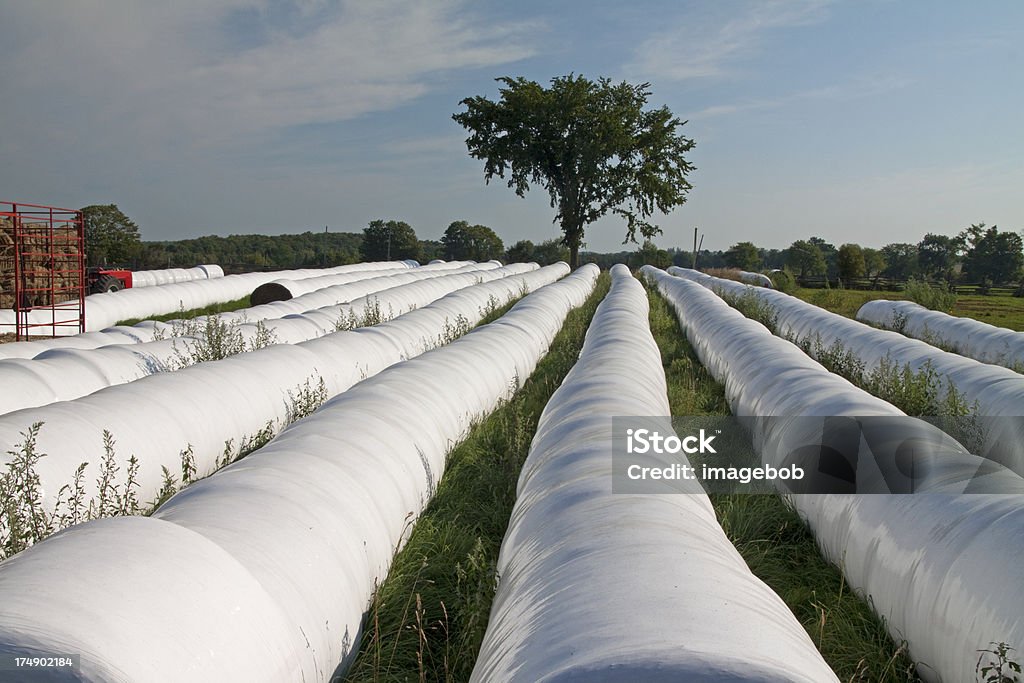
939	568
314	518
152	278
177	292
147	330
165	570
284	289
995	393
67	374
759	279
965	336
597	586
204	406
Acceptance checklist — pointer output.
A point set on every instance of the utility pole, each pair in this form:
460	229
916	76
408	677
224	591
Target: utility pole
696	248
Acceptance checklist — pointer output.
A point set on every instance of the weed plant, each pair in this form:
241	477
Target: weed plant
938	297
25	520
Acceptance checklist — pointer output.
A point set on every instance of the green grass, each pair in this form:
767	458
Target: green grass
776	544
212	309
1002	310
427	619
780	550
998	310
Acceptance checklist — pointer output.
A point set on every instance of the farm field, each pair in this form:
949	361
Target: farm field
1001	310
381	504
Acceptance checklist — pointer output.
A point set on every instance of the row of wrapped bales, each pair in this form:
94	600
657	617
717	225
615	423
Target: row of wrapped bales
994	394
759	279
284	289
965	336
331	308
935	565
202	407
263	572
108	308
170	276
194	297
603	586
67	374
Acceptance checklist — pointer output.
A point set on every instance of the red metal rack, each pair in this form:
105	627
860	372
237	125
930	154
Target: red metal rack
45	258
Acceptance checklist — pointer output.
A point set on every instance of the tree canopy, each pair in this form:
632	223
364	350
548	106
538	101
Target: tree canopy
850	261
874	262
389	241
805	258
111	238
520	252
650	254
550	251
938	255
590	144
900	260
992	255
463	241
744	255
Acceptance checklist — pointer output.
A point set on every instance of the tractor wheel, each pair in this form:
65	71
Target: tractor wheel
106	283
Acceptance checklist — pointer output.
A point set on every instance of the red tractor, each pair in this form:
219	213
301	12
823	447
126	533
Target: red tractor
100	280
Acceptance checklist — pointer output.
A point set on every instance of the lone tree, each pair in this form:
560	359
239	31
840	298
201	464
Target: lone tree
388	241
110	236
590	144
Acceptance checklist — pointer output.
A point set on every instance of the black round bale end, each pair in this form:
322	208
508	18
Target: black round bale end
269	293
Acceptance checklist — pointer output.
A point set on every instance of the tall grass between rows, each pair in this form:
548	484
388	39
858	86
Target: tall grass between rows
428	617
776	544
920	392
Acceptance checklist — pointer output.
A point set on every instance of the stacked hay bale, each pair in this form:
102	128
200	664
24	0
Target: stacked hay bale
43	264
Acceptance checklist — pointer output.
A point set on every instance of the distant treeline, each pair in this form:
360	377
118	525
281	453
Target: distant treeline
240	253
245	253
979	254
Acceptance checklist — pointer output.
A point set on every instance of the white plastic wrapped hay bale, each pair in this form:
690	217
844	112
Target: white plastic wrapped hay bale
603	586
968	337
933	565
313	519
203	407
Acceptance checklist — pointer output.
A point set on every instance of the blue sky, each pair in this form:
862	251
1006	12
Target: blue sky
868	121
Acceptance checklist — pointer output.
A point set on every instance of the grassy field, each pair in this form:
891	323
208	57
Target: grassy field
1001	310
212	309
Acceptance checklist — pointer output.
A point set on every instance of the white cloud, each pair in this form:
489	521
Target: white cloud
706	44
174	74
843	92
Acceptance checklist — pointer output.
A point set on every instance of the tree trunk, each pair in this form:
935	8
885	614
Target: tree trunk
573	237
